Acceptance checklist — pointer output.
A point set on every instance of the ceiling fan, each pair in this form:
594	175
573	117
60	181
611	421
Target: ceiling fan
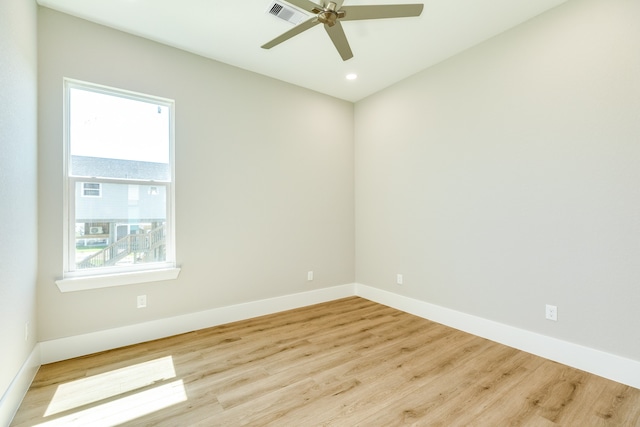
330	14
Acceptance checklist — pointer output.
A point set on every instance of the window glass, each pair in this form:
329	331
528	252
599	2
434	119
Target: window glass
116	127
119	172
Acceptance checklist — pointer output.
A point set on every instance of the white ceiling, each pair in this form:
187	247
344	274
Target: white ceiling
385	51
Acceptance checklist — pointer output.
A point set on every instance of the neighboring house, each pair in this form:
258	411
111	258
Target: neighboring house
126	222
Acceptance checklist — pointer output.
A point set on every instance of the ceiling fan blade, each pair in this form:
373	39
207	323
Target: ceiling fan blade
354	13
304	4
309	23
339	40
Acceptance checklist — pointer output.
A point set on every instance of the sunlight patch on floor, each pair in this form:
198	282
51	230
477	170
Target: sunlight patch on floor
109	384
125	409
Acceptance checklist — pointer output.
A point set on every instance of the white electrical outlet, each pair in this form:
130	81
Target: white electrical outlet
142	301
551	312
309	275
399	279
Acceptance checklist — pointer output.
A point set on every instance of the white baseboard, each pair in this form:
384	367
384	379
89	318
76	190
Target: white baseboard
81	345
11	400
616	368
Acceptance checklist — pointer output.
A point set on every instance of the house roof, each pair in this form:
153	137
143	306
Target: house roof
98	167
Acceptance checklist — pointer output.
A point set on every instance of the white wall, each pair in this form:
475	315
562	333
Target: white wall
508	177
262	196
18	191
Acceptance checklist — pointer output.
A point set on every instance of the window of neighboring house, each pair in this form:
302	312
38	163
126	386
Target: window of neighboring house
91	189
119	173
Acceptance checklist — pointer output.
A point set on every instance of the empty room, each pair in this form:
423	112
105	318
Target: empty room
369	212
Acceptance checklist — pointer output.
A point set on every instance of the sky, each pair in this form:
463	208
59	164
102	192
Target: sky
102	125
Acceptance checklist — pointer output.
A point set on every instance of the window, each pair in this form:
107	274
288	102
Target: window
91	189
119	174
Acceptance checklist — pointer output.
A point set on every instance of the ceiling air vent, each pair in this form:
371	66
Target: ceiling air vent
286	12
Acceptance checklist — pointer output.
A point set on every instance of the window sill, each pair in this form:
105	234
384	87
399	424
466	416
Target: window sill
74	284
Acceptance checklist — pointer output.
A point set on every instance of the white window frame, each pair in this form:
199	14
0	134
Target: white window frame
77	280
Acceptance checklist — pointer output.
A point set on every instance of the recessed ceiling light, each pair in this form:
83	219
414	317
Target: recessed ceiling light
352	76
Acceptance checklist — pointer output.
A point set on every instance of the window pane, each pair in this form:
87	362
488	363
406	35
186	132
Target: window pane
119	169
117	137
126	225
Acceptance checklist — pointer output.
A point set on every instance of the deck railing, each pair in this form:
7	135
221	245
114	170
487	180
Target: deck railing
145	247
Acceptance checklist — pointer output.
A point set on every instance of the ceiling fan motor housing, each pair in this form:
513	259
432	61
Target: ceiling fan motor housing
329	15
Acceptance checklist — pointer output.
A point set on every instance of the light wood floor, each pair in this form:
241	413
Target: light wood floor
350	362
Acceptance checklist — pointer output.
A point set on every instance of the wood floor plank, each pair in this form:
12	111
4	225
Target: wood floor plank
348	362
435	386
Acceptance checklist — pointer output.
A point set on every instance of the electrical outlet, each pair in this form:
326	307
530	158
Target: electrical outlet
309	275
26	331
399	279
142	301
551	312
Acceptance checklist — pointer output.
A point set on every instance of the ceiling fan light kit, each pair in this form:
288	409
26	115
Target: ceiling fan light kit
330	14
